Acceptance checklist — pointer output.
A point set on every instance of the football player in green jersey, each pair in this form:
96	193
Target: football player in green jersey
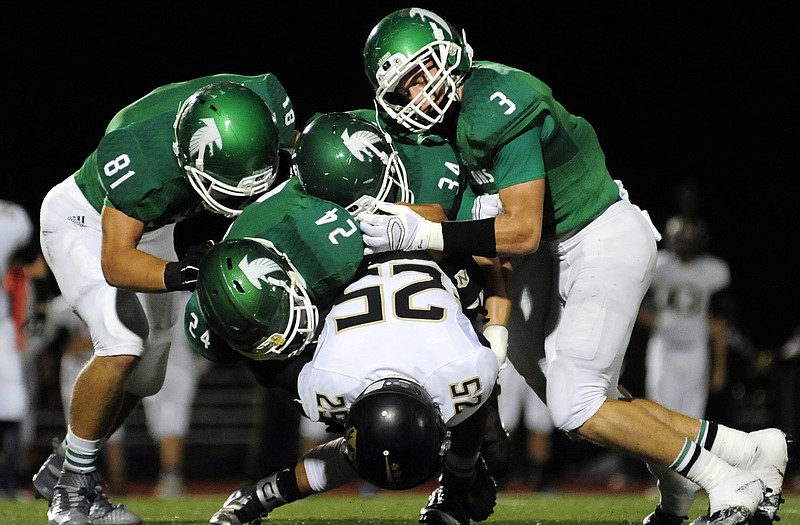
542	181
350	149
107	234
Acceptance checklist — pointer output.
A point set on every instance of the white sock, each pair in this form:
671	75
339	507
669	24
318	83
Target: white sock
327	467
734	446
707	470
81	454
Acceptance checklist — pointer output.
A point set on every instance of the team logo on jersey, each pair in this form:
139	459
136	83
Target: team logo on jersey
204	139
359	143
258	270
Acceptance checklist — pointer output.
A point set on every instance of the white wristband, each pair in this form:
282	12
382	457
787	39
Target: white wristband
497	335
435	237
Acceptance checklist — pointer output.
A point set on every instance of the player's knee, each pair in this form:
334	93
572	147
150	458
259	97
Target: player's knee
568	415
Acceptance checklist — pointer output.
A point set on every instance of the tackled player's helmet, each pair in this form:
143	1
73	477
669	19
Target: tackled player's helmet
687	238
349	160
226	141
411	41
394	433
255	299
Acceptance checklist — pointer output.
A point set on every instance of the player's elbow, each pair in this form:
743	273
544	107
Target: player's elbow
112	273
522	242
111	278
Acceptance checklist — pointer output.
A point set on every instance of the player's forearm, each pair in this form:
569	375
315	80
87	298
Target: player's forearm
497	275
501	235
134	270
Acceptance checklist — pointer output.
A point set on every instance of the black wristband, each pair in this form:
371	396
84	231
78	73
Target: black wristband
470	237
287	485
173	277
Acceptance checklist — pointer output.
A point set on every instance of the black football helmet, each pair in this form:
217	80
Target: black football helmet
687	238
395	434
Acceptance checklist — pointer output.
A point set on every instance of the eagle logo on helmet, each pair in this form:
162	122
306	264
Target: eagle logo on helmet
205	138
438	25
358	143
257	270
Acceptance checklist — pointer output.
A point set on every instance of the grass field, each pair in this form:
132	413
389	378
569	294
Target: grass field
395	508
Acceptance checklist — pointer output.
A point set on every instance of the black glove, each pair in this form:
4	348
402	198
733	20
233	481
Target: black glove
182	275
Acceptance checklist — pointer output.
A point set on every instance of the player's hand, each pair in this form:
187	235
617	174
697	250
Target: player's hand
182	275
398	228
487	206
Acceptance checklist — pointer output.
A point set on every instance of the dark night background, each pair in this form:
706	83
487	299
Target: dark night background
676	90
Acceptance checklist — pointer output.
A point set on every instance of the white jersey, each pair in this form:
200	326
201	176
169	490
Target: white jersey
17	228
402	318
682	293
678	360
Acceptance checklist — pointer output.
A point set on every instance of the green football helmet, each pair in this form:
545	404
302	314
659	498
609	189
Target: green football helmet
253	297
226	141
349	160
415	40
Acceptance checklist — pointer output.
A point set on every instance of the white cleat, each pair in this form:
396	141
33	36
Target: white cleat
736	499
241	505
773	448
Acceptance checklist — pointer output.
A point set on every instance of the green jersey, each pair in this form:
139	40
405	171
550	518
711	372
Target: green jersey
320	237
134	168
500	104
435	175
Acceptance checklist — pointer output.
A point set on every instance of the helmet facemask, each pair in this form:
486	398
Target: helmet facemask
395	182
226	199
303	319
438	62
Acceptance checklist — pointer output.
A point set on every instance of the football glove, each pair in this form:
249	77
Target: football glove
399	228
182	275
